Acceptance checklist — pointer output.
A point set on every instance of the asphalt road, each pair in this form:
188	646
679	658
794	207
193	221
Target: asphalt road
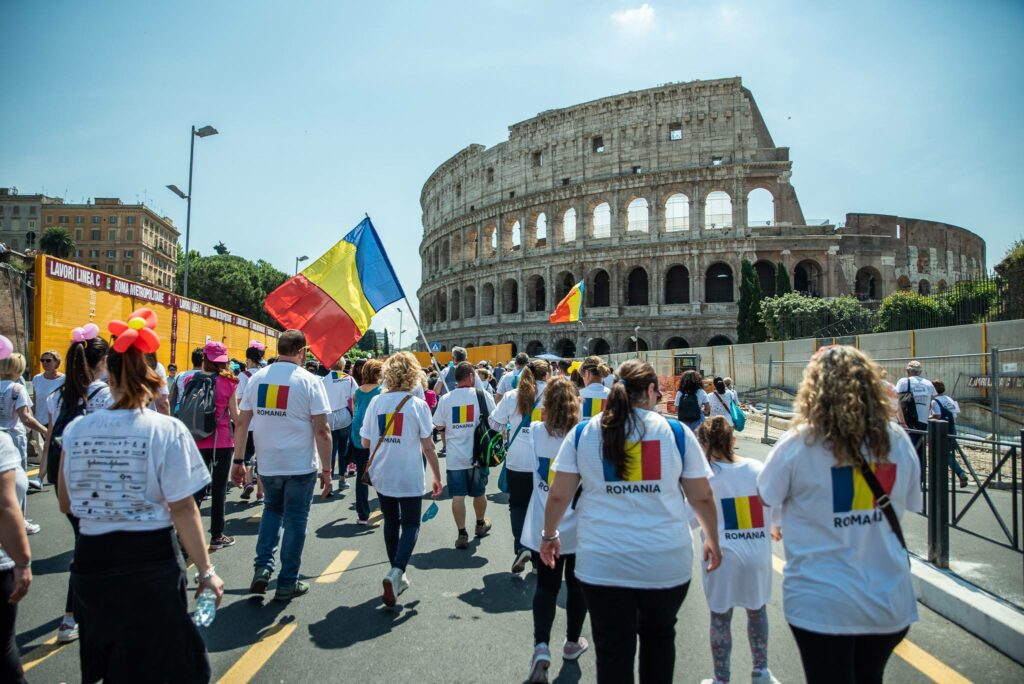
464	619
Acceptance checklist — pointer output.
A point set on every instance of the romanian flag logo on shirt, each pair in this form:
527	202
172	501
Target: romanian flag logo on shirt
395	419
544	470
535	415
851	493
643	462
591	407
272	397
463	414
743	513
338	375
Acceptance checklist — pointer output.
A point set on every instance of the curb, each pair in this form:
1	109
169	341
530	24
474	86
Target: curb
987	617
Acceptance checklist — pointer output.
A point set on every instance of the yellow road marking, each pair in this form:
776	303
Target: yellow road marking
375	517
255	518
915	656
928	665
40	653
339	565
246	667
32	472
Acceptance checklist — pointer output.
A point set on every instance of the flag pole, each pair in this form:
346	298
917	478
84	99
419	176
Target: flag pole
423	337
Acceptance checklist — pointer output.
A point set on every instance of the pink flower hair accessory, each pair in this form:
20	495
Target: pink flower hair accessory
85	333
256	344
138	332
6	348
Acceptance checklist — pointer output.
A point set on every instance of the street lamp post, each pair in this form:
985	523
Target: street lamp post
200	133
400	331
297	261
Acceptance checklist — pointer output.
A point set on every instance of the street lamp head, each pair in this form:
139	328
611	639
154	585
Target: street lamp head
177	191
301	258
206	131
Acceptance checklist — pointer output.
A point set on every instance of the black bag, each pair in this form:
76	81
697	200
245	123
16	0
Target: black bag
908	407
198	406
488	444
688	410
64	418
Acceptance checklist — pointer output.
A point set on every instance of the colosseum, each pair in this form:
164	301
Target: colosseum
653	198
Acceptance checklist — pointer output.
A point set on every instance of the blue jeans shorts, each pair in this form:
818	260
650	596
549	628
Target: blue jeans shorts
468	482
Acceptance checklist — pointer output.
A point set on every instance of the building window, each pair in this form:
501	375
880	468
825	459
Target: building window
112	234
565	181
110	268
93	253
129	253
511	194
127	269
536	159
675	131
130	220
598	144
49	220
62	219
95	220
31	211
458	189
111	253
602	220
94	234
94	266
78	235
716	161
16	210
490	175
78	253
113	220
637	170
677	213
129	234
79	220
31	225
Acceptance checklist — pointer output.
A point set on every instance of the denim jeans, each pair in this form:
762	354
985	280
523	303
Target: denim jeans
401	527
360	456
340	443
286	503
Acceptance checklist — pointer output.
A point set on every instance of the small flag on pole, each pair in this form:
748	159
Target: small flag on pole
333	300
570	309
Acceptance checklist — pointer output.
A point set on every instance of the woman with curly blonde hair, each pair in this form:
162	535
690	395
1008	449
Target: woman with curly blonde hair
847	590
397	430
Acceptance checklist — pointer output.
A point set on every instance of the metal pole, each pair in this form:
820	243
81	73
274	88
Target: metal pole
188	211
767	402
994	373
426	345
400	328
938	501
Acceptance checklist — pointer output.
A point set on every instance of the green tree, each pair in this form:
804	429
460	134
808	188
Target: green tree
971	301
794	315
387	344
230	282
749	327
909	310
782	283
57	242
221	248
368	342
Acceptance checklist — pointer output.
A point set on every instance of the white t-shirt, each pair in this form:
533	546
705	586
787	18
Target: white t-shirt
545	449
340	388
702	398
519	456
97	396
181	379
441	377
923	391
13	397
122	468
43	387
744	580
458	412
609	380
397	468
633	531
243	380
948	403
505	383
720	405
846	572
10	459
283	398
164	390
592	399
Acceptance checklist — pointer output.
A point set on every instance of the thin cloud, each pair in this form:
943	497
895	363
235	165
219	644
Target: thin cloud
636	20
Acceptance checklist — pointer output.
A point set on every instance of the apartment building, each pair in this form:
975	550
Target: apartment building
21	218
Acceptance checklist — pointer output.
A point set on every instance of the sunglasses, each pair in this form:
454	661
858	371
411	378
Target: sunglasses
47	359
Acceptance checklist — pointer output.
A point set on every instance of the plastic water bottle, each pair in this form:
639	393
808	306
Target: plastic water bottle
206	608
430	512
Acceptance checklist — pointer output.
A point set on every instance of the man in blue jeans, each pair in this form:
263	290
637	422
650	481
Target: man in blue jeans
288	407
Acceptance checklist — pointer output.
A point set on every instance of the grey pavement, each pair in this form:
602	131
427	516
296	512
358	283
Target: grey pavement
464	619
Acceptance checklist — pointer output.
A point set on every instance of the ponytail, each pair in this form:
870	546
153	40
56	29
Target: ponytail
82	359
715	436
526	391
618	419
136	382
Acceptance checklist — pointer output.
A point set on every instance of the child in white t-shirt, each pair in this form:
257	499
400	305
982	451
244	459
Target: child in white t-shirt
744	579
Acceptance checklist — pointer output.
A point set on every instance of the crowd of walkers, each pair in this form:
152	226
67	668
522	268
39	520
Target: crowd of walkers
603	492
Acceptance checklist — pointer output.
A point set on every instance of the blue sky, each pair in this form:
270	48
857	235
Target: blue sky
328	110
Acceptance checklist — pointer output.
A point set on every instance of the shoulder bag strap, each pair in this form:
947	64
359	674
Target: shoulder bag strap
516	433
482	403
882	500
680	436
380	440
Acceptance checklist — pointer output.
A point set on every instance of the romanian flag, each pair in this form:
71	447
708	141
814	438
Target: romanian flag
643	462
851	493
272	397
591	407
743	513
395	430
333	300
570	309
463	414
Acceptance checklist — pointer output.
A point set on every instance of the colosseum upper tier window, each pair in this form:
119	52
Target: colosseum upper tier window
675	131
598	144
718	210
569	226
677	213
602	220
637	215
760	208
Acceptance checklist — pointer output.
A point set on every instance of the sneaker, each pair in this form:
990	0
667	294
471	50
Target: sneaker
482	527
574	649
963	481
362	521
299	589
462	541
247	492
35	484
539	664
403	584
31	527
522	558
351	468
344	485
221	541
391	582
68	631
763	677
260	580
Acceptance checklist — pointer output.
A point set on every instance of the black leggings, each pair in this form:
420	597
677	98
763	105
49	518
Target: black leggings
545	597
845	658
520	489
10	664
218	461
69	604
618	615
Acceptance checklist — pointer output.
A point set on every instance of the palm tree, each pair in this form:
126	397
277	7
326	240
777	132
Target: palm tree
57	242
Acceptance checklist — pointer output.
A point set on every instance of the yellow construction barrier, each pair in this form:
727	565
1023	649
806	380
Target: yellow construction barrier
69	295
492	353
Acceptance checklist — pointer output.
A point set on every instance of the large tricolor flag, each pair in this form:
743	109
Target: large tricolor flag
333	300
570	309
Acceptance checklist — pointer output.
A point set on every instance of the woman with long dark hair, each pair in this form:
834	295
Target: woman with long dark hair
84	391
721	401
129	475
692	404
634	553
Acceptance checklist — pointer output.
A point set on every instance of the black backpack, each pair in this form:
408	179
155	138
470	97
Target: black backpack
688	410
947	416
908	407
198	406
64	418
488	444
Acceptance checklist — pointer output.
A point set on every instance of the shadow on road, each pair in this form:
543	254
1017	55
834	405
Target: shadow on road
339	529
501	593
447	559
348	625
29	636
54	564
238	625
569	674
